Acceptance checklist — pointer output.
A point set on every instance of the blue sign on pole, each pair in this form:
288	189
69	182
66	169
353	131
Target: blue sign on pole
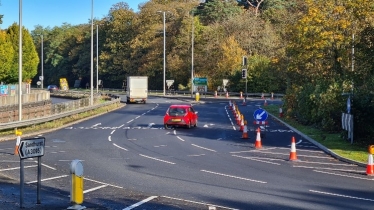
260	115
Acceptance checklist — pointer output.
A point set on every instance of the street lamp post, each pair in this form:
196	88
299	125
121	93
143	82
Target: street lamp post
97	58
192	56
42	63
91	98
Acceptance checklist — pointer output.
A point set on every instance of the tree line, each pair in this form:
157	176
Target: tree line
317	52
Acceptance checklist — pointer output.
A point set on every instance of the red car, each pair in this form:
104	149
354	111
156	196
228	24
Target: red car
180	115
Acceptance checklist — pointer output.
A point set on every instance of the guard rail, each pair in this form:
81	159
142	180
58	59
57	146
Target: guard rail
24	123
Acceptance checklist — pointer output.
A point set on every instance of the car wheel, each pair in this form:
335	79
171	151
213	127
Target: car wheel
189	125
166	126
195	124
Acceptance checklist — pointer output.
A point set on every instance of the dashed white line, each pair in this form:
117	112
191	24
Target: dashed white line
256	159
130	121
339	195
343	175
195	202
16	168
120	147
203	148
231	176
111	133
140	203
180	138
157	159
109	138
95	188
47	179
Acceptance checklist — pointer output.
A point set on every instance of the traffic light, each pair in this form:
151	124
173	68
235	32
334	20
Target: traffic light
244	73
245	60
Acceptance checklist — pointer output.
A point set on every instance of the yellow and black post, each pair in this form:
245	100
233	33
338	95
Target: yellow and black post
76	192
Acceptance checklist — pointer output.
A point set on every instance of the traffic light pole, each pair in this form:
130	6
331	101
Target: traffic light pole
245	61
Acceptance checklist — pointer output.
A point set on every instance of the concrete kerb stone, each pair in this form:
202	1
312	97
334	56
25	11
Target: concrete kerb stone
325	149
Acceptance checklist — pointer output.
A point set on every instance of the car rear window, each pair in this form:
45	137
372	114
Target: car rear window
177	111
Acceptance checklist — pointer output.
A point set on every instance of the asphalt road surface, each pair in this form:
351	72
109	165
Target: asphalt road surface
131	162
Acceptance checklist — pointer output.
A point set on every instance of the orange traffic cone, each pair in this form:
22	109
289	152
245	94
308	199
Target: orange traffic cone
280	112
258	139
241	123
265	103
18	133
293	150
227	94
243	104
370	166
245	131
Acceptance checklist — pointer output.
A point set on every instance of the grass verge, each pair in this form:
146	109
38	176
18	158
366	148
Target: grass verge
332	141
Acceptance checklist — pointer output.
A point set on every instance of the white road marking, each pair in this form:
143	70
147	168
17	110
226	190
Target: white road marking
180	138
96	124
137	117
130	121
119	147
196	155
150	125
236	177
160	146
95	188
140	203
334	164
175	132
131	139
47	179
195	202
205	126
340	195
356	177
256	159
111	133
85	178
203	148
50	167
109	138
286	154
331	169
16	168
157	159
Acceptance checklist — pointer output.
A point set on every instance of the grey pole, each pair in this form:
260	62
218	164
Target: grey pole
192	49
42	63
91	98
97	58
164	54
20	64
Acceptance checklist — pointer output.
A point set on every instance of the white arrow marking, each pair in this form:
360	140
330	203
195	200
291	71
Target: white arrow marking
259	116
150	125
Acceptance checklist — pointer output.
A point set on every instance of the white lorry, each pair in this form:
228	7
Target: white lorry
137	89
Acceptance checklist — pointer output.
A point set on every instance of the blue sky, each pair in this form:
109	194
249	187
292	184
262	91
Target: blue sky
56	12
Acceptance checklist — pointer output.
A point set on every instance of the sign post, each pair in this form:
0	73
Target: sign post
30	148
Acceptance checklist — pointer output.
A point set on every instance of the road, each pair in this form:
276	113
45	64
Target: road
128	157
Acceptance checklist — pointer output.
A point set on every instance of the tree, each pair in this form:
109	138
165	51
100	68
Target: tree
30	57
6	56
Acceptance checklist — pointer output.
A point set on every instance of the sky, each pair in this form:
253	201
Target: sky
56	12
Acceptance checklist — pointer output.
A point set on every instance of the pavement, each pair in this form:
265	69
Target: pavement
53	199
